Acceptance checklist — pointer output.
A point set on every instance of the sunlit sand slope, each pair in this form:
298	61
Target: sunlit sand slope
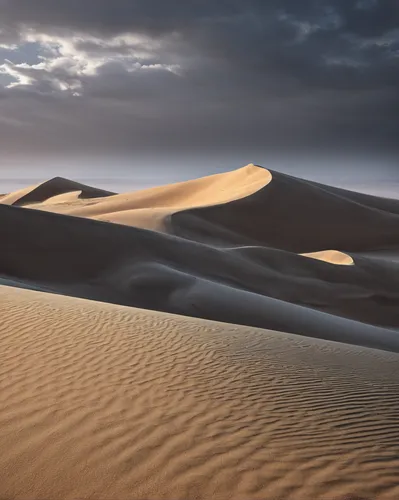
332	257
149	208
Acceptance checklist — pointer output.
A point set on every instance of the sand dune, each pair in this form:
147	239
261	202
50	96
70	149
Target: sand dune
149	208
109	402
132	266
115	398
82	257
68	197
51	189
332	257
252	206
294	215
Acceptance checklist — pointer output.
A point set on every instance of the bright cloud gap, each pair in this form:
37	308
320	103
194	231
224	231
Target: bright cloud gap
68	63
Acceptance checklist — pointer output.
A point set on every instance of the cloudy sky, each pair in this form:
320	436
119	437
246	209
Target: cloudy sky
125	78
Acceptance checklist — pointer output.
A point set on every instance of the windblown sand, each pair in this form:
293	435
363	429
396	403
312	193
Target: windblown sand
117	385
108	402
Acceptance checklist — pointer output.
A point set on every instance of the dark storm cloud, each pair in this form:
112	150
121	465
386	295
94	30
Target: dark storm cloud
257	33
246	73
361	17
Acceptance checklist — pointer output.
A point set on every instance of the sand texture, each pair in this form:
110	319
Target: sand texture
231	337
108	402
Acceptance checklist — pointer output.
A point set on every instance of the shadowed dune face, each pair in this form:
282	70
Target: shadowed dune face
294	215
268	285
130	266
249	206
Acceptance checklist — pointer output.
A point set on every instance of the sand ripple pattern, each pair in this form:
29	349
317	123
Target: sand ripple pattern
106	402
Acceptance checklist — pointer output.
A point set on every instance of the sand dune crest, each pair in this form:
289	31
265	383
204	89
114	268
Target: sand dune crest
50	189
149	208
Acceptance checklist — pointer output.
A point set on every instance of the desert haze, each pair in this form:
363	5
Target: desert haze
233	337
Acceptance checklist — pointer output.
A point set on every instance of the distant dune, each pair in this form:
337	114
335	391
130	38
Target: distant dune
51	190
115	384
149	208
295	215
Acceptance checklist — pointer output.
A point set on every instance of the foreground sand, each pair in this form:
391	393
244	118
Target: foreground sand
107	402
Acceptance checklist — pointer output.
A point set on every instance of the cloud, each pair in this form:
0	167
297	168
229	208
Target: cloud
85	64
177	74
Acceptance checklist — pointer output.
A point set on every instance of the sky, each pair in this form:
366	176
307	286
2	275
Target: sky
203	85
